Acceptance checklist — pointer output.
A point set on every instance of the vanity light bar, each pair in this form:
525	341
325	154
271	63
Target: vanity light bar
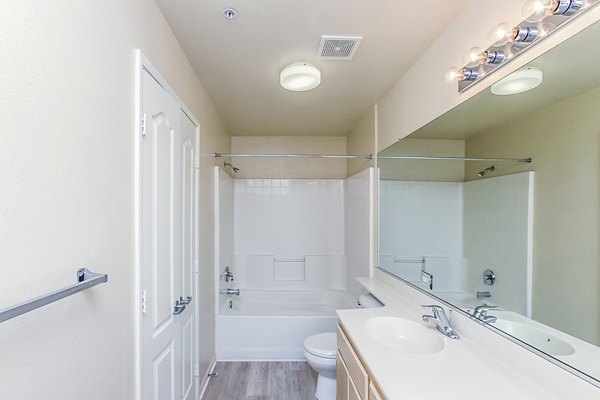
506	41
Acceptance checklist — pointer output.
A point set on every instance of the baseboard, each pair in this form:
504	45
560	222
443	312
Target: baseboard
261	359
206	380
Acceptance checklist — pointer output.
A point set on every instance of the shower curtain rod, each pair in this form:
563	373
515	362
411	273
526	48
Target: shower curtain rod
217	155
370	157
523	160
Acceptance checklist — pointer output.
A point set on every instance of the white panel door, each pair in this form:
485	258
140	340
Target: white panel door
189	241
168	198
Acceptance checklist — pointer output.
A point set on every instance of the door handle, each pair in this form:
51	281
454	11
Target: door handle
179	308
185	301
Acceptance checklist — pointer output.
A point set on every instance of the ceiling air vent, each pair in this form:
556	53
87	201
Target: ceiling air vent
338	47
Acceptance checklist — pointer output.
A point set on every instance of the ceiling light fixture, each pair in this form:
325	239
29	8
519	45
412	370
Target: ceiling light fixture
300	77
518	82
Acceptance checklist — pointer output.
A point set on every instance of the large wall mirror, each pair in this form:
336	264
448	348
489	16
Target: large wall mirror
520	239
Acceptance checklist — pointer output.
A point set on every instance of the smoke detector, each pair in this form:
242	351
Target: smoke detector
338	47
230	14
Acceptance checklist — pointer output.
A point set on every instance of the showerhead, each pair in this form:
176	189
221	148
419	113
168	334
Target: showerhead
484	171
234	169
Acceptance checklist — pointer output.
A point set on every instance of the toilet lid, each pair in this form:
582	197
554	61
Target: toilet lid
322	345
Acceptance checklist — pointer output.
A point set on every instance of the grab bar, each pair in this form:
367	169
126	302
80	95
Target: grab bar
85	280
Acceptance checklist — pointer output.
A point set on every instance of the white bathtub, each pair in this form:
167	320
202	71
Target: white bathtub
266	325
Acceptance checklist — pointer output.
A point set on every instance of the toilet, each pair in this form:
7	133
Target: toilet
320	353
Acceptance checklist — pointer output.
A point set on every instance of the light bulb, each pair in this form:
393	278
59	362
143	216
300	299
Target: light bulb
537	10
454	74
472	57
499	35
451	75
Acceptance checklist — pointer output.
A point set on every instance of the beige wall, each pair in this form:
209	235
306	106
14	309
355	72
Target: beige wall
421	95
563	140
424	170
289	167
361	141
67	198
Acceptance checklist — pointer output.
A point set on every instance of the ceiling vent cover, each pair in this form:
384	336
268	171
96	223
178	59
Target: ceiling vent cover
338	47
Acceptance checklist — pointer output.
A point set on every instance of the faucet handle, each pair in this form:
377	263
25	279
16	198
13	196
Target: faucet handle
434	307
481	311
485	307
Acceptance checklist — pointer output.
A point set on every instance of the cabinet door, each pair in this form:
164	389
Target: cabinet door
353	392
342	379
373	393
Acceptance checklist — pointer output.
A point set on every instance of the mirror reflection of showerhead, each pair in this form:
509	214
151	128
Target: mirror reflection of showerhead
233	168
491	168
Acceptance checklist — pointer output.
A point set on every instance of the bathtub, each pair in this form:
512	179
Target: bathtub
268	325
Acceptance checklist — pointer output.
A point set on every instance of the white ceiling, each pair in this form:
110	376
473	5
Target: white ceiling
239	62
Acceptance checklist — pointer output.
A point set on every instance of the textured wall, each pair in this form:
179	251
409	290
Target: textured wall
67	79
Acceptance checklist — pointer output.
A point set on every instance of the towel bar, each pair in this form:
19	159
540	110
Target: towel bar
85	280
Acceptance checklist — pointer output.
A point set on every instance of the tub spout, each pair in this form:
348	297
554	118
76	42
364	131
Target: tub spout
230	292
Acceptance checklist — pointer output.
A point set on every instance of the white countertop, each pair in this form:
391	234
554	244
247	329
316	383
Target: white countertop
472	367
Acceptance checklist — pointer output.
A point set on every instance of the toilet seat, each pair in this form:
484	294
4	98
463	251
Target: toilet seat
322	345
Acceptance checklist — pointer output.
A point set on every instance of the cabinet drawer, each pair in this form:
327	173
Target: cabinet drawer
358	374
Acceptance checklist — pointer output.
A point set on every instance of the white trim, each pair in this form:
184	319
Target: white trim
216	234
141	64
204	384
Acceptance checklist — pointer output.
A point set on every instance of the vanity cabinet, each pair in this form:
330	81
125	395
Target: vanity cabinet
353	380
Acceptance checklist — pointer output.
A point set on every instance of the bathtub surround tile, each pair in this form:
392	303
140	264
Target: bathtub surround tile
465	227
498	216
307	218
262	381
289	269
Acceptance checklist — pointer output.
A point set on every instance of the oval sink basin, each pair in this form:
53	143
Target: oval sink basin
404	335
537	338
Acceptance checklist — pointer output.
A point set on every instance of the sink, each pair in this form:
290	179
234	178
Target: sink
537	338
404	335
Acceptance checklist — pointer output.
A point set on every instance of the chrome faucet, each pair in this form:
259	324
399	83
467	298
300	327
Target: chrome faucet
230	292
481	311
228	274
441	321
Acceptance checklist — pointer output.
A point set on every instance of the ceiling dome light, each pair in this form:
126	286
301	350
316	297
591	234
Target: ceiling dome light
518	82
300	77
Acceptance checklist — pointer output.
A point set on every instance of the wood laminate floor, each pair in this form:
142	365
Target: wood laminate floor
262	381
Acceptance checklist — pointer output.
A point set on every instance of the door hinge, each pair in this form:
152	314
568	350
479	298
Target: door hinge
196	265
197	369
197	161
144	124
143	302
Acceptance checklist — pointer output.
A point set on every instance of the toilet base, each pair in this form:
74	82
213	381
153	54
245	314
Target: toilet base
326	388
